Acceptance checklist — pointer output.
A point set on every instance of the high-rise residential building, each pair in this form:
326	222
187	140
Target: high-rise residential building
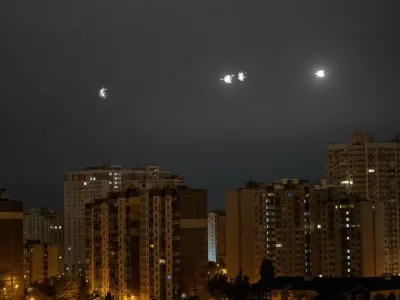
148	243
245	230
371	169
305	229
42	262
44	224
81	187
11	246
346	234
216	236
286	226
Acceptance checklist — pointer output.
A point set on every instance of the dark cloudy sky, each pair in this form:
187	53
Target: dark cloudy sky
161	62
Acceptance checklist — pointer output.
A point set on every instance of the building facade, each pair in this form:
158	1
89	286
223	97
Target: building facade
371	170
216	236
347	235
42	262
148	243
287	226
245	230
305	229
47	226
11	246
81	187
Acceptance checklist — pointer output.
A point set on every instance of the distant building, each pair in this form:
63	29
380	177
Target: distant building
11	246
42	261
216	236
370	169
148	243
45	225
95	182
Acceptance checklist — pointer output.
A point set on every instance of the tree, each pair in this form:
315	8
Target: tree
241	286
379	296
267	271
217	285
66	289
391	296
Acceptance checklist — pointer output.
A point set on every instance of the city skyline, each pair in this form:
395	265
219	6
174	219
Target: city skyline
161	64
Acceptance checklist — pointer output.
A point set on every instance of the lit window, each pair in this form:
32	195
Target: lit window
348	238
319	226
110	174
347	219
347	212
85	183
278	245
347	225
348	270
348	250
351	182
110	182
348	257
371	170
169	277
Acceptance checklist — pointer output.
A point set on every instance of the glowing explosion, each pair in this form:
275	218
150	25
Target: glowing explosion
242	76
103	93
320	73
228	78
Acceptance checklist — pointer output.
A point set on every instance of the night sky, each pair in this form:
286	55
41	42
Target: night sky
161	62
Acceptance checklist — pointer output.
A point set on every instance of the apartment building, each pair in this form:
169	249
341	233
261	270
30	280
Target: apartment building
287	226
11	246
305	229
245	230
95	182
347	234
216	236
371	170
41	262
150	244
47	226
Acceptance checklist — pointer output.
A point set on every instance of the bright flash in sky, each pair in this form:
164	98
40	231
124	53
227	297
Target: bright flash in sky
228	78
320	73
242	76
103	93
